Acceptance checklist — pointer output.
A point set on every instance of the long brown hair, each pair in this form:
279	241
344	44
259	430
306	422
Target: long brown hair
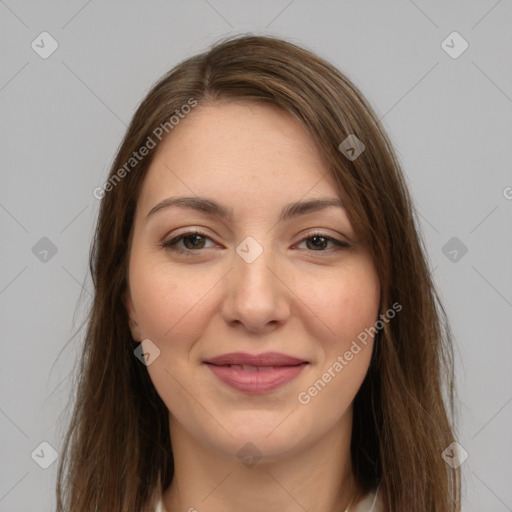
117	452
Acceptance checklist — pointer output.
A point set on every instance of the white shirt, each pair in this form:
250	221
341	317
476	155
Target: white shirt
371	503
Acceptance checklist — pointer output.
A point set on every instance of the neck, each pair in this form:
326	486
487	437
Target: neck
317	477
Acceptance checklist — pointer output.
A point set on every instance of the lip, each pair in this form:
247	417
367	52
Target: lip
263	373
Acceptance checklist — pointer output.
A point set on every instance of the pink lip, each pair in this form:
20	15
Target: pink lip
284	369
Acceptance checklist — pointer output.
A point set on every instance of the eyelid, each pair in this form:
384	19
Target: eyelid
339	243
171	244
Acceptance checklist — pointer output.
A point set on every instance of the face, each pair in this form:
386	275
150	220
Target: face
254	301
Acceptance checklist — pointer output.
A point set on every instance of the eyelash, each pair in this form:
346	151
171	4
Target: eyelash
171	245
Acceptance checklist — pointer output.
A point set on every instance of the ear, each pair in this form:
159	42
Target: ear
132	317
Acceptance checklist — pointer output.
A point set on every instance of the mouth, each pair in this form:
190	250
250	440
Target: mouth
248	368
256	374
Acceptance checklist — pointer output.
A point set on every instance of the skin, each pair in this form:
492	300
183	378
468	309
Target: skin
294	298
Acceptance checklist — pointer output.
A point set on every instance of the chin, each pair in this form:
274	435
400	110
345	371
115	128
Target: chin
265	435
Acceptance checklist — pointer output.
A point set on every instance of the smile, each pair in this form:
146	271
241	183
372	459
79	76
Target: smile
256	374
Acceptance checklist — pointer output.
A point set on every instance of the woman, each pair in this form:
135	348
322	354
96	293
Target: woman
264	333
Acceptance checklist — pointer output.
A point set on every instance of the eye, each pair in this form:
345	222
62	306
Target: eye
191	241
320	241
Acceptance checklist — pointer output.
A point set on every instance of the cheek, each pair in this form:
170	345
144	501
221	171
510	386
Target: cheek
174	308
170	303
348	308
341	310
341	305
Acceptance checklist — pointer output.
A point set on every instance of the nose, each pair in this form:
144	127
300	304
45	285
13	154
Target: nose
257	297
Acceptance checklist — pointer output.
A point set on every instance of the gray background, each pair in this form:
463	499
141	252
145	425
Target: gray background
63	118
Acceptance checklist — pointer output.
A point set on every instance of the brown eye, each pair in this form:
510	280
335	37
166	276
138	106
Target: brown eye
188	243
317	242
320	243
193	241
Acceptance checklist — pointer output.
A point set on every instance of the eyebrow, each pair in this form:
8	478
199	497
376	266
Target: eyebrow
211	207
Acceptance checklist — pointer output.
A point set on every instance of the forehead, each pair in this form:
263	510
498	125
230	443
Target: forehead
237	151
